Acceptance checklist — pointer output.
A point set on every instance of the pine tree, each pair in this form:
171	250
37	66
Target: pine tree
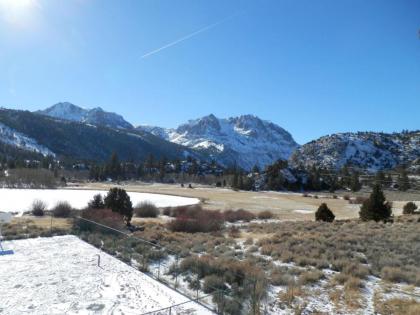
241	181
97	202
355	184
114	167
380	178
403	181
345	177
235	181
256	169
375	208
119	201
324	214
162	169
149	163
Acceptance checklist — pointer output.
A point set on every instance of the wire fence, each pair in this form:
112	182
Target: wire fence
165	265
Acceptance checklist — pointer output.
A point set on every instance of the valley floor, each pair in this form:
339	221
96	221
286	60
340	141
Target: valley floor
285	205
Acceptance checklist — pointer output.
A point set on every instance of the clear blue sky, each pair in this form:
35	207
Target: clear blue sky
313	67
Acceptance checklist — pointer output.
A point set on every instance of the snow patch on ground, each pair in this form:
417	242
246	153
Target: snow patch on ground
20	200
60	275
304	211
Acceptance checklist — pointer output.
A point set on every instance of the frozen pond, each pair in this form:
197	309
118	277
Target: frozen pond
20	200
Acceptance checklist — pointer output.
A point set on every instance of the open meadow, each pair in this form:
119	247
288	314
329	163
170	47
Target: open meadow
285	205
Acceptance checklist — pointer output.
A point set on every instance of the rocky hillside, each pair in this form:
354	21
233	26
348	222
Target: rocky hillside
367	150
95	116
246	140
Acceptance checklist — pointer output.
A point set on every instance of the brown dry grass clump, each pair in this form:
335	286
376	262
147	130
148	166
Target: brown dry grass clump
398	306
289	296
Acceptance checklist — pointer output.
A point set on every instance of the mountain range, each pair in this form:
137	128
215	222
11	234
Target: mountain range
67	130
245	140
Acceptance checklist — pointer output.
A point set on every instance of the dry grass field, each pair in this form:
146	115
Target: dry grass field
286	206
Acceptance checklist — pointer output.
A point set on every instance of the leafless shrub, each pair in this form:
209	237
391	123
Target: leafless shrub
38	208
146	209
62	209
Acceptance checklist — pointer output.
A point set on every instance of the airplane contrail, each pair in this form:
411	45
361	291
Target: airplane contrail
201	30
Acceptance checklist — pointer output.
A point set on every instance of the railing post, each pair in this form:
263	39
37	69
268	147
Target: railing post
176	270
198	281
223	302
158	276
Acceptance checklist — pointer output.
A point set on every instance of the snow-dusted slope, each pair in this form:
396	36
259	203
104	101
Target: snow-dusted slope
368	150
95	116
12	137
246	140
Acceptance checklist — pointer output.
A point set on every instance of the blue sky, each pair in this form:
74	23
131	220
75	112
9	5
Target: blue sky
313	67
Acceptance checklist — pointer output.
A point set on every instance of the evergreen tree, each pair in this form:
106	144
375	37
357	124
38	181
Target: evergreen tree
256	169
355	184
140	171
403	181
345	177
314	180
119	201
162	169
388	181
149	163
375	208
235	181
97	202
177	166
274	176
241	181
380	178
113	168
332	182
324	214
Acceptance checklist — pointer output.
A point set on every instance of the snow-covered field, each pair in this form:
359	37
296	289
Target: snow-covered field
60	275
20	200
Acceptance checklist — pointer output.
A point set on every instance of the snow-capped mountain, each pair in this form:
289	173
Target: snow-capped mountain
246	140
95	116
367	150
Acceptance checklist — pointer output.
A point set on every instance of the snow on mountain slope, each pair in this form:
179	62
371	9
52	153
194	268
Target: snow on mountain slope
95	116
246	140
368	150
12	137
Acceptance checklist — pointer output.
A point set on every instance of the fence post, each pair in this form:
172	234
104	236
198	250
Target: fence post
176	270
158	276
221	303
254	302
198	279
